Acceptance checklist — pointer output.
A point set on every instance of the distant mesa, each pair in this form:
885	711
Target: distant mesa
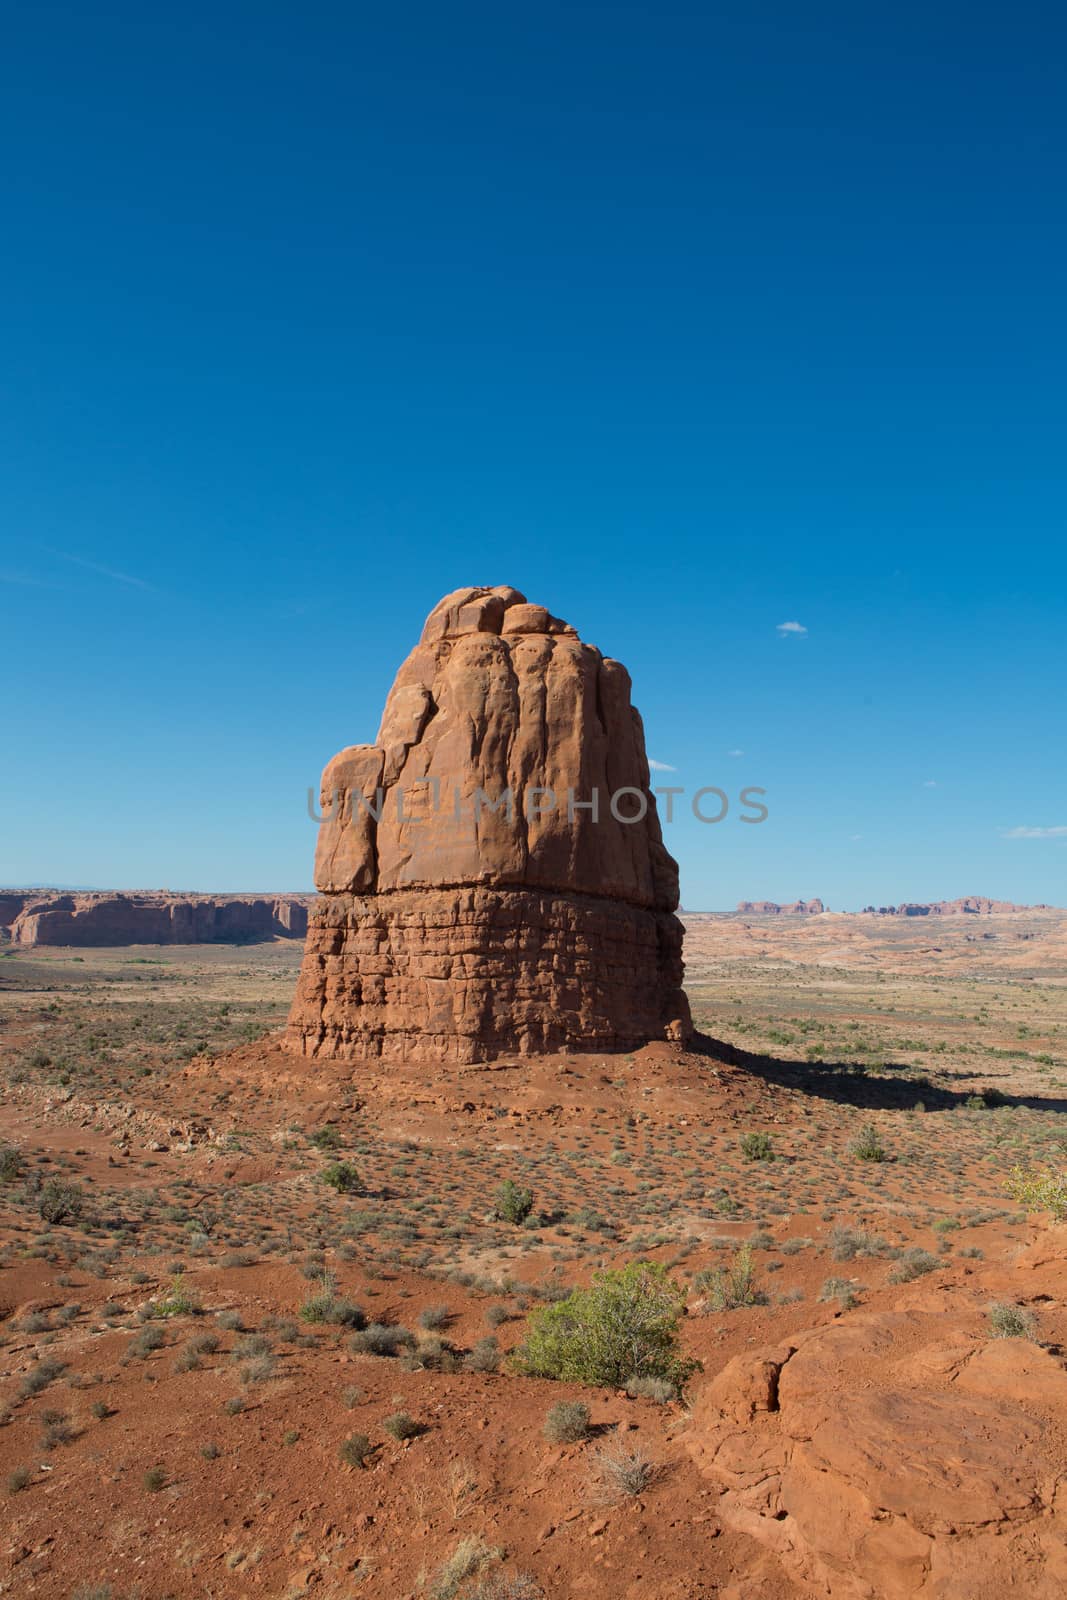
974	905
87	920
454	925
771	908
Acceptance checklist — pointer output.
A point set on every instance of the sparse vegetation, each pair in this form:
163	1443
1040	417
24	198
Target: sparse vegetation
1007	1321
567	1422
730	1288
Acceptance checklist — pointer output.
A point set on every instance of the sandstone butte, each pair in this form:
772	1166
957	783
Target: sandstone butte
451	931
94	919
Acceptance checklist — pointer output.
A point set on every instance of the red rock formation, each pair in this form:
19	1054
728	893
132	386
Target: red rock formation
771	908
974	905
117	919
894	1454
474	900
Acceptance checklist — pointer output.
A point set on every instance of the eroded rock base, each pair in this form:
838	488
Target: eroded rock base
464	975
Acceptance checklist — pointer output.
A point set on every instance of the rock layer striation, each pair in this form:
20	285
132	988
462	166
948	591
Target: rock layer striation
492	872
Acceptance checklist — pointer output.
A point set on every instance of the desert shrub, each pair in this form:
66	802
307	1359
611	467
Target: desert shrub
567	1422
402	1426
57	1430
730	1288
793	1247
238	1258
843	1290
234	1406
381	1339
143	1344
625	1324
355	1450
435	1317
868	1147
327	1138
341	1176
848	1243
353	1396
180	1302
512	1203
1008	1321
618	1473
914	1263
20	1478
757	1147
325	1306
470	1557
100	1410
59	1201
495	1315
10	1164
259	1369
154	1480
230	1321
1039	1191
39	1377
431	1354
657	1389
507	1586
485	1356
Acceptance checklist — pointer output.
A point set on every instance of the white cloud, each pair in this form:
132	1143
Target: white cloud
735	752
660	766
1036	833
786	628
855	836
931	783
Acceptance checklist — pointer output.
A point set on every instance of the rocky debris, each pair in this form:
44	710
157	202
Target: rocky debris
888	1456
492	870
117	919
771	908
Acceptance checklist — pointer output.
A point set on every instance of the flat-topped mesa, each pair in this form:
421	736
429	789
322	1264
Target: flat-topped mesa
492	873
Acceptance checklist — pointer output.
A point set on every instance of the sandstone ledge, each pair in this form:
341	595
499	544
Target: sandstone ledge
465	975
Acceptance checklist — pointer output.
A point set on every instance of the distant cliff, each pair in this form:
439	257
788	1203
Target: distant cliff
974	905
116	919
771	908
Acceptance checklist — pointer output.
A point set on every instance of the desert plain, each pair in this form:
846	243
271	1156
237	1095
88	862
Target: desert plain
222	1376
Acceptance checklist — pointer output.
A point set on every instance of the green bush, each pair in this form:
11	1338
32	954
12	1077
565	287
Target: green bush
60	1202
757	1147
868	1147
341	1176
624	1325
327	1138
730	1288
1039	1191
513	1203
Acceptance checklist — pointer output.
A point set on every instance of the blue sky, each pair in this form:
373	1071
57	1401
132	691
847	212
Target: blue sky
687	321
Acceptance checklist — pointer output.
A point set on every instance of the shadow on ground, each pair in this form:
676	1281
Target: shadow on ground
853	1083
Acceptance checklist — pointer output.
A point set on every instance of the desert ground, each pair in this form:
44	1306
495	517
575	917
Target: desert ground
199	1392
